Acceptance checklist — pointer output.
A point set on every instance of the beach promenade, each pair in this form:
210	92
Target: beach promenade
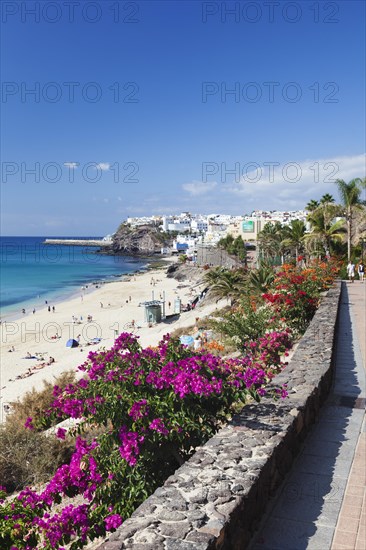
321	505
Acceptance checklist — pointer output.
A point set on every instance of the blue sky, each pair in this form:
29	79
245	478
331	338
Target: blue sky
132	112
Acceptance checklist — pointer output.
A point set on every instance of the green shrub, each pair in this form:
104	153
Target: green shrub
244	324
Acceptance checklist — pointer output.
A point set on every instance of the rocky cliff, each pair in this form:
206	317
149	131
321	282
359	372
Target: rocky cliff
144	240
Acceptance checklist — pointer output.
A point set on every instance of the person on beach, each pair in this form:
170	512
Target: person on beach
361	271
53	309
197	344
351	271
41	365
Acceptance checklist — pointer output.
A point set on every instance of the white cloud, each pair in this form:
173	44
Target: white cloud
71	165
103	166
196	188
278	190
293	184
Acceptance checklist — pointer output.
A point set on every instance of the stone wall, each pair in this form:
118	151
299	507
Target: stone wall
216	499
216	257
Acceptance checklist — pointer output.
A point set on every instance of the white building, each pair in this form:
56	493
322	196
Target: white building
144	220
199	225
179	225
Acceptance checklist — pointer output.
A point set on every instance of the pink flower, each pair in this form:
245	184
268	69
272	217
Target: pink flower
28	423
61	433
139	409
129	450
158	425
112	522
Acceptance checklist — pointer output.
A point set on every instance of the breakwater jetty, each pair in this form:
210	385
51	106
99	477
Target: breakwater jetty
77	242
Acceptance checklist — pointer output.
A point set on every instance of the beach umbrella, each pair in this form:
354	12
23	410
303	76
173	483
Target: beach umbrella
72	343
186	340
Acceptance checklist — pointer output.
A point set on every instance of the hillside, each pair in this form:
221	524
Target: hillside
144	240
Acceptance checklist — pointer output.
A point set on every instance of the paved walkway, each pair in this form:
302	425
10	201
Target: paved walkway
321	505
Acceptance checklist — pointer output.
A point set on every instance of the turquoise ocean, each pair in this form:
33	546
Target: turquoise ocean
32	273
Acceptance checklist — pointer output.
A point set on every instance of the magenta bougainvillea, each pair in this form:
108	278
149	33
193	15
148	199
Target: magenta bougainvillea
154	404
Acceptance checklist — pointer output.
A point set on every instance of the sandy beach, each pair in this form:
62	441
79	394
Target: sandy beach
113	308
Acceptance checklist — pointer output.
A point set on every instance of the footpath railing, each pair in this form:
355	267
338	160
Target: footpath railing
217	498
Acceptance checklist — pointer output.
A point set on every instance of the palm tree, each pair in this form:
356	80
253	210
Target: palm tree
260	279
294	236
270	241
312	205
324	232
351	200
327	199
213	275
226	284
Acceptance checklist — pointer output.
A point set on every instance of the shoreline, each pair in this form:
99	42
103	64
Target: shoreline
112	308
18	248
13	311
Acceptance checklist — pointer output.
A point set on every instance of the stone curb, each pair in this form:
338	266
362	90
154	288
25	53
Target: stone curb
216	499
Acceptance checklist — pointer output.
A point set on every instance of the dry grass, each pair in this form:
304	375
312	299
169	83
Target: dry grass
28	457
34	402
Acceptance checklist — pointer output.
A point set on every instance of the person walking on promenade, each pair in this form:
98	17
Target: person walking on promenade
361	271
351	271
